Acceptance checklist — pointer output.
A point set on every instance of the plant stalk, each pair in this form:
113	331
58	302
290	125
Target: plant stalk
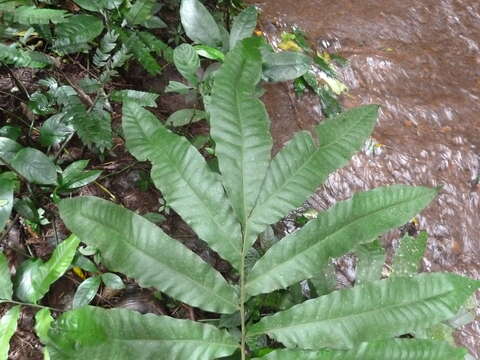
243	347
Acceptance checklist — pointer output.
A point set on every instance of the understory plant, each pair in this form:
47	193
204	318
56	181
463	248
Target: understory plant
228	210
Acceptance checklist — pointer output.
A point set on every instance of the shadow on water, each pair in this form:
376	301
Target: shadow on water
421	61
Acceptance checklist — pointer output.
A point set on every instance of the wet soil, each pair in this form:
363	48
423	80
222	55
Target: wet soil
420	60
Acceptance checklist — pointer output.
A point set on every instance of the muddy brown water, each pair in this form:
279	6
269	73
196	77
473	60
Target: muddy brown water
420	60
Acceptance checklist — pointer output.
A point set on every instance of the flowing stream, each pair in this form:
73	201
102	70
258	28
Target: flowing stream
420	60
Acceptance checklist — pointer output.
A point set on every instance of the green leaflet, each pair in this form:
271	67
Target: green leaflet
199	24
31	15
134	246
35	166
286	65
141	11
8	326
139	97
302	165
6	201
381	350
372	311
43	321
74	34
187	62
334	233
240	126
8	149
409	255
95	333
243	26
6	290
138	126
86	291
34	277
182	175
23	58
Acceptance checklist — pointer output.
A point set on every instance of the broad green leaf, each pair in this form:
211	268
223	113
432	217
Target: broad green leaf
382	350
8	149
240	126
6	201
6	290
98	5
141	98
302	165
113	281
178	87
74	34
130	244
74	176
86	291
185	117
11	132
334	233
195	192
95	333
243	26
187	62
138	126
43	321
141	11
199	24
409	255
370	261
8	326
55	129
286	65
209	52
31	15
34	277
35	166
373	311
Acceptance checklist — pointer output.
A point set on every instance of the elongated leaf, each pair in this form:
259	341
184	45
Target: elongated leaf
6	201
43	321
334	233
240	126
138	126
8	149
134	246
187	62
381	350
34	277
409	255
196	193
8	326
31	15
185	117
301	166
35	166
199	24
74	34
95	333
373	311
141	11
285	65
141	98
86	292
370	261
243	26
113	281
6	290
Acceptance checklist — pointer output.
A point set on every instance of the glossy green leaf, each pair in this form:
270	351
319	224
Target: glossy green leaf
75	176
409	255
373	311
55	129
8	149
286	65
6	201
74	34
35	166
138	126
178	87
31	15
302	165
243	26
370	262
240	126
34	277
141	98
141	11
199	24
382	350
8	326
86	291
130	244
334	233
187	62
113	281
11	132
195	192
185	117
98	5
6	290
209	52
43	321
95	333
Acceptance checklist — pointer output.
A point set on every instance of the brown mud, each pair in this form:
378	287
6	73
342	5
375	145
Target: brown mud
420	60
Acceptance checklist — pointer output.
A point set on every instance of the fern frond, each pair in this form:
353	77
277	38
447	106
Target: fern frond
31	15
103	52
23	58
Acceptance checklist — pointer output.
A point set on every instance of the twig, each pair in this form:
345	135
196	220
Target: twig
31	305
83	96
17	82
